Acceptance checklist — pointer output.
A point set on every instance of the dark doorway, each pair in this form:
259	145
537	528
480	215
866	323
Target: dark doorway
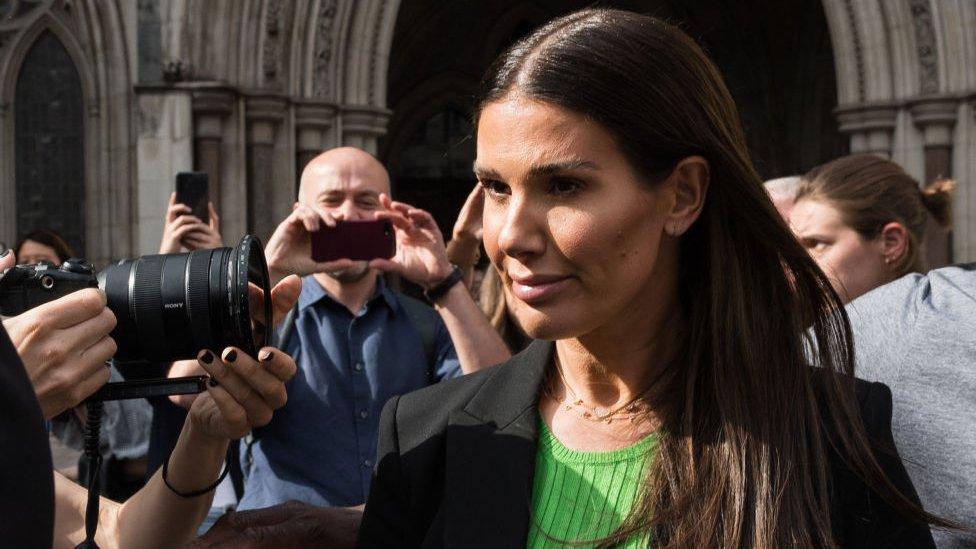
776	58
49	143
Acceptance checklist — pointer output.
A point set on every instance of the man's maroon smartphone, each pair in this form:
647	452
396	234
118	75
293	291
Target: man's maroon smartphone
191	189
360	240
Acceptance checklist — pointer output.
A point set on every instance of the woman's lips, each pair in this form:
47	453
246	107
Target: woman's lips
537	288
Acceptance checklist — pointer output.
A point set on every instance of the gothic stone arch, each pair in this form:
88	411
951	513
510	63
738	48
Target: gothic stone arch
93	37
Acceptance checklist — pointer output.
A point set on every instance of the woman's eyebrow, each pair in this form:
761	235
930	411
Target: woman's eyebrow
548	168
482	172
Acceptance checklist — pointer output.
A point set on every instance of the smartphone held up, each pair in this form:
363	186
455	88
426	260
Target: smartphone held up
192	189
356	240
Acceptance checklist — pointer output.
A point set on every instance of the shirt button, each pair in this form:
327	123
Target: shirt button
363	414
367	463
358	366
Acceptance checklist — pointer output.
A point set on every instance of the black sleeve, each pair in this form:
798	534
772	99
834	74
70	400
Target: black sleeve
386	515
888	528
26	473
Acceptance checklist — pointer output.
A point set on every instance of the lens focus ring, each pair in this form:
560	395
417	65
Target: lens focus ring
147	304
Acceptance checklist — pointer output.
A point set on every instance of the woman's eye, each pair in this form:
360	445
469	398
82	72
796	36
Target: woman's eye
494	187
564	187
816	245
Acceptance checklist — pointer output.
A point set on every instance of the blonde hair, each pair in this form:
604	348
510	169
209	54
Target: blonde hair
870	192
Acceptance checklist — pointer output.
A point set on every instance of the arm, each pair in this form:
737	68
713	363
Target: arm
422	259
244	395
154	516
477	343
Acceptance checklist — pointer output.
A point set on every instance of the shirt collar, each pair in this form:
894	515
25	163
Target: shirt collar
313	292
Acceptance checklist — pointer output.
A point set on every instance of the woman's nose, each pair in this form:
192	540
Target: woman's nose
523	231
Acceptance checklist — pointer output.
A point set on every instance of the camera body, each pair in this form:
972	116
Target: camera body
26	286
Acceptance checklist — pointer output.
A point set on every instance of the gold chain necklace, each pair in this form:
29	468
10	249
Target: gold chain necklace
597	413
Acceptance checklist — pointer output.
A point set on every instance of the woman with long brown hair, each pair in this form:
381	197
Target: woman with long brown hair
673	398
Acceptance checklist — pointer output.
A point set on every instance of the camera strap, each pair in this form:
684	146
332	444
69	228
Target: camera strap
93	424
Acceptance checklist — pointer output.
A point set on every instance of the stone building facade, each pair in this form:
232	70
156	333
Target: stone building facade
102	102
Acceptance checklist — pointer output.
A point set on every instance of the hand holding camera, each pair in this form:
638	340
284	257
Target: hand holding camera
243	392
64	345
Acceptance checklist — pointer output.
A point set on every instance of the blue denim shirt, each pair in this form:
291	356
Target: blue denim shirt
320	446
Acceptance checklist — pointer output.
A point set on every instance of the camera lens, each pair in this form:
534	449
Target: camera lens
169	307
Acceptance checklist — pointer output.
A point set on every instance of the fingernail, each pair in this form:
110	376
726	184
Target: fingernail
213	382
265	355
207	357
231	356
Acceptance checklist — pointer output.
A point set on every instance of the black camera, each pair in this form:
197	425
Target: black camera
168	307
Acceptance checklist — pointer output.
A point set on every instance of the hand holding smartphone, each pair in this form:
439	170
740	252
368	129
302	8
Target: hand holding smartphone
356	240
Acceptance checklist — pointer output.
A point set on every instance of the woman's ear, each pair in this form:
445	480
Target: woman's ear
894	242
689	183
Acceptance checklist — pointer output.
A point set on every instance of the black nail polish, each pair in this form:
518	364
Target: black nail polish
231	356
213	382
265	356
207	357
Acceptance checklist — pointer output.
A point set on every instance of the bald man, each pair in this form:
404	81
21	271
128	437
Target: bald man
357	342
782	191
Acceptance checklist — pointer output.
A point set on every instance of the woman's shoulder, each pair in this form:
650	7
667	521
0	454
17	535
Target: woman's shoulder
427	411
873	400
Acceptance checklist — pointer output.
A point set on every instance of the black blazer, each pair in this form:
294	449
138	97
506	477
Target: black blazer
456	460
26	473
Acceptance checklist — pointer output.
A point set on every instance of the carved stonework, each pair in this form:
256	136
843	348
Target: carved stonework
271	56
14	15
925	45
374	47
323	48
858	48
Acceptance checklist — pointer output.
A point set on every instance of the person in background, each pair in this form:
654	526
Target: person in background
863	220
42	245
782	191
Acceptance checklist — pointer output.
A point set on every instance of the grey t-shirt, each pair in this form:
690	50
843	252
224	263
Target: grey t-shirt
918	336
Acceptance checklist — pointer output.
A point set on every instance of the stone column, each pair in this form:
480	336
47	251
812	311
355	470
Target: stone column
264	115
936	117
870	127
363	125
313	123
210	108
8	198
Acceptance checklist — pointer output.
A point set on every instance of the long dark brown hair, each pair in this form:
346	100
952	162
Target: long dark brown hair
743	452
870	192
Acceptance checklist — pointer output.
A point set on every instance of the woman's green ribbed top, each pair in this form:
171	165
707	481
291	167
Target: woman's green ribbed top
578	496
